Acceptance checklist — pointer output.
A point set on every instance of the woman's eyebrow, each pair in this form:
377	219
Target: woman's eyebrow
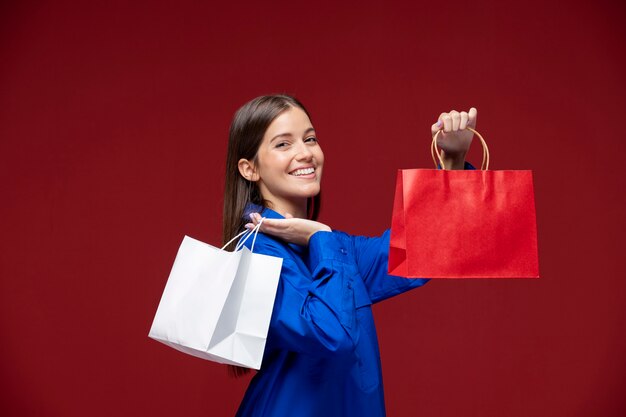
309	130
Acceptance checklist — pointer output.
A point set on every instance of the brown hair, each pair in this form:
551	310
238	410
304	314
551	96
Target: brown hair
245	136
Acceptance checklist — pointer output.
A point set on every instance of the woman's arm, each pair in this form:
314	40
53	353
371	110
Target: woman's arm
315	305
372	252
372	255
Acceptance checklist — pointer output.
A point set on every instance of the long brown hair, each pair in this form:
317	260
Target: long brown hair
244	139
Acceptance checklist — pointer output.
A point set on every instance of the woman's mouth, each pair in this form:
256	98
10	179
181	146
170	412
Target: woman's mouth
304	172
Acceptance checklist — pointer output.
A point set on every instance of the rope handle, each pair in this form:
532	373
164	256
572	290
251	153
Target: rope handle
434	150
242	241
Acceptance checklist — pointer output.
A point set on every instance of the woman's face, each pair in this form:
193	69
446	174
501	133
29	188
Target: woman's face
289	161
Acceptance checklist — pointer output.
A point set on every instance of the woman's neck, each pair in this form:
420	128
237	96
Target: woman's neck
296	209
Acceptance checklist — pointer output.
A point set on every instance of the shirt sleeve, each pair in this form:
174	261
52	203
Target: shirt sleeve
314	309
372	254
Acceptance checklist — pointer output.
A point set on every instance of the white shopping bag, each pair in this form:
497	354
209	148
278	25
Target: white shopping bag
217	304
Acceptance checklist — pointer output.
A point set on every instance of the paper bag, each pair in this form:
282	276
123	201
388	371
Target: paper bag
217	304
464	224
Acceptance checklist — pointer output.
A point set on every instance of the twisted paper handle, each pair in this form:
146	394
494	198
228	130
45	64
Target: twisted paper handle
434	150
240	244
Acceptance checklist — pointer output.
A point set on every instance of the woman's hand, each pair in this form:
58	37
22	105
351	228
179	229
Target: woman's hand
455	139
289	229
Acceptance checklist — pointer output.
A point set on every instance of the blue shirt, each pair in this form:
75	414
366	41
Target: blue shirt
321	358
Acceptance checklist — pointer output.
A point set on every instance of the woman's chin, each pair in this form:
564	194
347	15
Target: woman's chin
313	192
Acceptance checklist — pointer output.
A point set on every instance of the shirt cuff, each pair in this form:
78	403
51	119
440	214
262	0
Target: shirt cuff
466	166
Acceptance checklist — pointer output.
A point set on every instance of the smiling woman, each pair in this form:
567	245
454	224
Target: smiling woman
288	164
321	357
247	134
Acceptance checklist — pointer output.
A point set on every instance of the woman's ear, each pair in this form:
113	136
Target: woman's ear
247	170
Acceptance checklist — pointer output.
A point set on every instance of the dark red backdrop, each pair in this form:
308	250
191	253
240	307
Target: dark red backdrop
113	125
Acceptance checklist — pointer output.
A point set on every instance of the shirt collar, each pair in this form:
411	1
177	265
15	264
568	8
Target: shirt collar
263	211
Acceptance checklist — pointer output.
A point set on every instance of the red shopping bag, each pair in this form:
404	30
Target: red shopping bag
464	224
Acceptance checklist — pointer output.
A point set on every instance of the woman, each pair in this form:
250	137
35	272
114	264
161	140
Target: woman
321	356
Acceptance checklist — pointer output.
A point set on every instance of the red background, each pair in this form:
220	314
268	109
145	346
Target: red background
113	127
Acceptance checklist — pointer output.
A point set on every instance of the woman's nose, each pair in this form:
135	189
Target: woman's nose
304	153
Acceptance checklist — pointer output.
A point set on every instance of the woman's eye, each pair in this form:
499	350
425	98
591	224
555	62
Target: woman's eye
281	144
311	139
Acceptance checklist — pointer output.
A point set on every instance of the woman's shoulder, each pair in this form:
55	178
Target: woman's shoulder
268	245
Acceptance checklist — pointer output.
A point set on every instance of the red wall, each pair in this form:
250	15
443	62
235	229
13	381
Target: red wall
113	125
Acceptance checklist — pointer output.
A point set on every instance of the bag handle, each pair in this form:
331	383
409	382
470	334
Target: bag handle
434	150
241	242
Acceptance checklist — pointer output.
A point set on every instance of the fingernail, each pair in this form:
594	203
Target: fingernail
252	216
438	124
249	226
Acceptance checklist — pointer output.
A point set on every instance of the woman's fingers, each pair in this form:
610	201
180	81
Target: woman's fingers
253	218
289	229
454	121
274	226
281	228
447	123
436	127
450	122
464	119
472	116
268	225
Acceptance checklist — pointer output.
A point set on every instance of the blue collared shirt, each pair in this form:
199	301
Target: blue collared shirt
322	358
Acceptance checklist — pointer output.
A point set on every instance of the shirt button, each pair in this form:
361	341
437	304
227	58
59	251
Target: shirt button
343	251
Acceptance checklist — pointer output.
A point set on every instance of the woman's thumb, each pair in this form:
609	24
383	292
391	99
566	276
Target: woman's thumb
437	126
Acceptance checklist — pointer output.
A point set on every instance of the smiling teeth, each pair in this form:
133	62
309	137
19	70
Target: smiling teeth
303	171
